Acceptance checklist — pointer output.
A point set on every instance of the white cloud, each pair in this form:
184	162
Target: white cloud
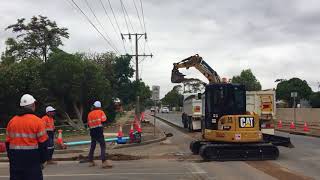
276	39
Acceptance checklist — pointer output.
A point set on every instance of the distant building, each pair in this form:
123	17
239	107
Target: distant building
155	93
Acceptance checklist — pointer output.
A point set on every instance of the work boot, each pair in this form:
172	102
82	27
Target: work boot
51	162
92	163
106	164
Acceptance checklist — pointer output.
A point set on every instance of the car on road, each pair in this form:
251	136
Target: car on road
165	110
152	109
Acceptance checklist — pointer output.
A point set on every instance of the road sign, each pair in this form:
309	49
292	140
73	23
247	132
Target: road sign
294	94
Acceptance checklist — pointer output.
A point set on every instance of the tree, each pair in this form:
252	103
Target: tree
74	82
193	86
315	99
173	98
247	78
284	89
35	39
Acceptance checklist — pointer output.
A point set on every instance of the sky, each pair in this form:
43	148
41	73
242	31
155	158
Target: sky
275	39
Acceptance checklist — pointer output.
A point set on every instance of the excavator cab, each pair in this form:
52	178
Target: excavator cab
223	99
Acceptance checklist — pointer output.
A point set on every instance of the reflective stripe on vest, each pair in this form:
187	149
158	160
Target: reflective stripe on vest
52	147
23	147
22	135
95	120
49	129
92	127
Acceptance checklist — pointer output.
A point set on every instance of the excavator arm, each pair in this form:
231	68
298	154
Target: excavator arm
197	62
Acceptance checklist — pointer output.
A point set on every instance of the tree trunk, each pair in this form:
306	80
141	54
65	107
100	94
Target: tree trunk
79	113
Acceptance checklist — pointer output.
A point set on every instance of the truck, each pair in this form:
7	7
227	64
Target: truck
263	104
192	112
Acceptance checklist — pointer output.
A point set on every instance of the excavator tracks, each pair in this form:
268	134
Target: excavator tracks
210	151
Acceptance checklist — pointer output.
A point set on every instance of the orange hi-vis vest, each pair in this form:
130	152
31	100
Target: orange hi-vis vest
25	132
49	123
95	118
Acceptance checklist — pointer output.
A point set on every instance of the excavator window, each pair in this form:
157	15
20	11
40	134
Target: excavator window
223	99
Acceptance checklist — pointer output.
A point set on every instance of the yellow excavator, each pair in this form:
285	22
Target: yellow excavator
229	132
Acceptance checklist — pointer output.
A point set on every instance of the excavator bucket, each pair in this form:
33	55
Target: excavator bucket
176	76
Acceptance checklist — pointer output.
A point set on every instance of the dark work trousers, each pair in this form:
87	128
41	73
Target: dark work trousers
97	136
25	165
50	144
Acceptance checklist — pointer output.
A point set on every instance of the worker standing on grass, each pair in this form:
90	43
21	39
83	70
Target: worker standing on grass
26	142
95	119
49	124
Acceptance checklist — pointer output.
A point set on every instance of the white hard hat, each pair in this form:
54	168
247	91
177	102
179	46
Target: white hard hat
27	99
97	104
50	109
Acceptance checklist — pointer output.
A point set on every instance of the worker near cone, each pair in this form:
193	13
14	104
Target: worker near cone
48	120
95	119
26	142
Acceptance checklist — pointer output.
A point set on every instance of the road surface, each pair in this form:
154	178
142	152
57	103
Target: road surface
303	159
171	159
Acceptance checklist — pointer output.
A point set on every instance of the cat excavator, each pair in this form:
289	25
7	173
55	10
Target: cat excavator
229	132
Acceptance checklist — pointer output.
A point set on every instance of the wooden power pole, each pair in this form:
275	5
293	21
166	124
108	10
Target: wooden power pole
137	37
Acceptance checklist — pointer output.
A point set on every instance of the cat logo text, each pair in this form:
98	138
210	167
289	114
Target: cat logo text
246	122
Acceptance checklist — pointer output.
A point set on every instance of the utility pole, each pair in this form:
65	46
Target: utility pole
137	37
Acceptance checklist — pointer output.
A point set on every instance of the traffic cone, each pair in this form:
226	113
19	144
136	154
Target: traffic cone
279	124
131	135
142	116
305	127
292	126
120	135
59	141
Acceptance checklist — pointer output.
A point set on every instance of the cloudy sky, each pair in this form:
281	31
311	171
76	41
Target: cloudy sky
276	39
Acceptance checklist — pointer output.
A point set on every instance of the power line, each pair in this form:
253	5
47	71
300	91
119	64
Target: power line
115	18
105	10
88	19
100	24
144	22
135	6
124	16
126	12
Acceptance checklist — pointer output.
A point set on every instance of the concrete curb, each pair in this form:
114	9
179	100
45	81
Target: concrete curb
171	124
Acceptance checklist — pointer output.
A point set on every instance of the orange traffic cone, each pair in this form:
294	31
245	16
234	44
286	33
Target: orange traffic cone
292	126
305	127
60	142
279	124
142	116
59	139
131	135
139	130
120	133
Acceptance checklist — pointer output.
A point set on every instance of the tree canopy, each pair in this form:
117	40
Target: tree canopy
35	39
248	79
32	63
285	87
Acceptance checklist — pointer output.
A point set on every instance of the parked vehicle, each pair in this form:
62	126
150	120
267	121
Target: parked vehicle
152	109
263	104
192	112
164	110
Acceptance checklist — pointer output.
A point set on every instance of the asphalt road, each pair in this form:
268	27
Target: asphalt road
172	159
304	159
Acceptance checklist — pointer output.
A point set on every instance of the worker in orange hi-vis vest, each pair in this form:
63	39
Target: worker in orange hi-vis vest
95	119
49	124
26	142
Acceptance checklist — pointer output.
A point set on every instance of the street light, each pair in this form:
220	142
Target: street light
294	95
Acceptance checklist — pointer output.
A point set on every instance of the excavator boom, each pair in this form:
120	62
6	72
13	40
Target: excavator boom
197	62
